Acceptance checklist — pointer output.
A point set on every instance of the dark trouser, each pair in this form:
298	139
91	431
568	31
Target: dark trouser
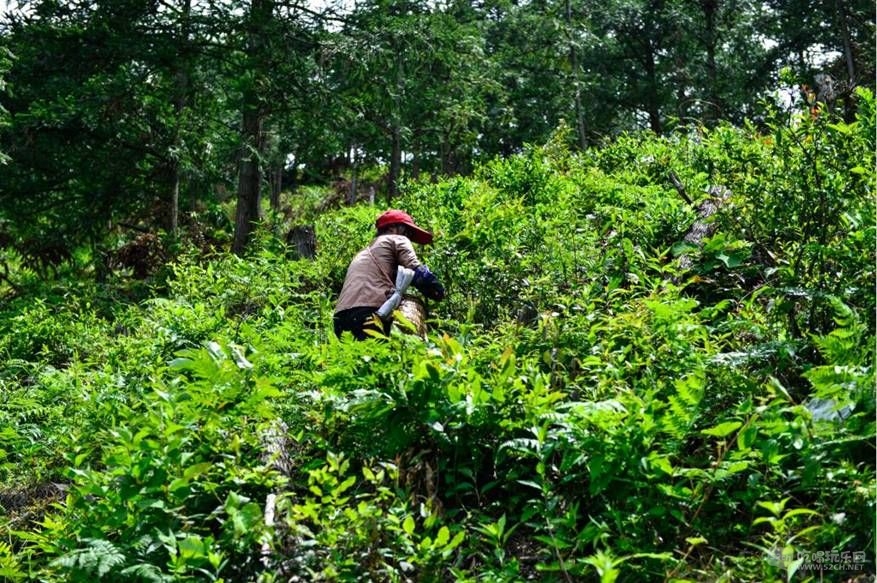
357	321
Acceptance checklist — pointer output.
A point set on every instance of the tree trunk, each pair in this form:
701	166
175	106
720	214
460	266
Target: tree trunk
276	187
702	227
847	43
249	181
449	160
652	97
292	187
415	312
714	108
576	79
416	154
395	164
680	80
303	242
181	89
354	177
396	121
850	106
252	138
174	218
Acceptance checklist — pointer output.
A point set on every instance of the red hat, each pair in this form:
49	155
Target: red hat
395	217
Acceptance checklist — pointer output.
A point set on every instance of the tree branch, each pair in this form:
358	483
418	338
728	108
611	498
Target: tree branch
680	188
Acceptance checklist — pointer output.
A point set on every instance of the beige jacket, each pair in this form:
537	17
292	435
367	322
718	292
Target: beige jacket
372	273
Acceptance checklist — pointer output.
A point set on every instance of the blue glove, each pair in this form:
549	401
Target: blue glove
428	284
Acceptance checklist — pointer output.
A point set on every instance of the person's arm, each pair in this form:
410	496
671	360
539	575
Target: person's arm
425	280
404	253
428	284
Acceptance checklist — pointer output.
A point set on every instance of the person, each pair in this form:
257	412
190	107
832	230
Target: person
371	276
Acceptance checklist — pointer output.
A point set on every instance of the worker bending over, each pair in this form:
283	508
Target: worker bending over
372	275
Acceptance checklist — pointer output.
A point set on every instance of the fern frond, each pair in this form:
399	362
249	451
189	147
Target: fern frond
683	405
146	572
10	568
99	558
523	445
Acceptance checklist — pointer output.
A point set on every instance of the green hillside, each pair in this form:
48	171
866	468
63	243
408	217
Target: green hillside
603	396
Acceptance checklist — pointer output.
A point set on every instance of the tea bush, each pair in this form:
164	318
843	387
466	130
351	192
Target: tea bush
586	406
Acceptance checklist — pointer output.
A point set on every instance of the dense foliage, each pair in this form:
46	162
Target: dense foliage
601	397
135	114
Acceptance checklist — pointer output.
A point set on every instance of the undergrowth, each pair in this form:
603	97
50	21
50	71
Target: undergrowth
600	397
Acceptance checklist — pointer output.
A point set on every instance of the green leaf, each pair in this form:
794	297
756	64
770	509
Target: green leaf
196	470
842	128
732	468
775	508
792	568
800	512
408	525
682	248
746	437
344	486
192	547
661	463
455	542
443	536
723	429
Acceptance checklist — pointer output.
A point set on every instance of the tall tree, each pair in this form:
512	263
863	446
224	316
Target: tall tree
831	38
5	63
385	37
182	74
102	129
719	63
275	74
258	26
431	102
523	40
82	131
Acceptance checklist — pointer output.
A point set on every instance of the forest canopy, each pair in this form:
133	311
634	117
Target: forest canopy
135	111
